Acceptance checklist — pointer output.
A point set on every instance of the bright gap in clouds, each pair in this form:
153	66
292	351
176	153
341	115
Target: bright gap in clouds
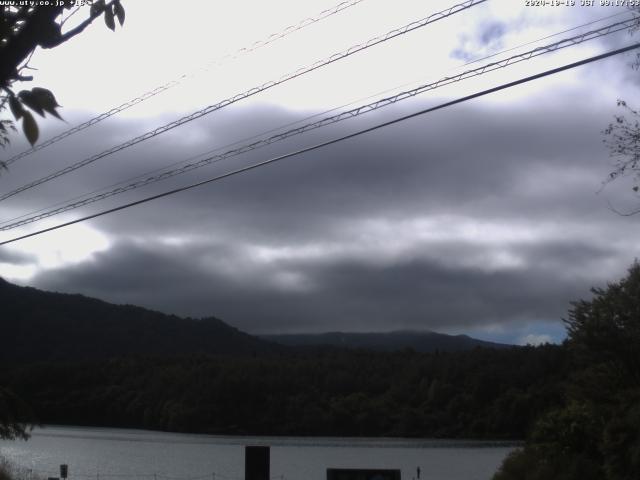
57	249
529	333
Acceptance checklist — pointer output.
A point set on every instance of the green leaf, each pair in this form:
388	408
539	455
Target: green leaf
108	19
16	107
29	99
46	100
119	11
45	97
30	127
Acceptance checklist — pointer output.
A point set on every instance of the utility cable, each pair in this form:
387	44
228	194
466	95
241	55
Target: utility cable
253	91
177	81
355	112
257	136
334	141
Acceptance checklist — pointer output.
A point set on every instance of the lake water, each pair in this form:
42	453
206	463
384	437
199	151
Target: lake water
115	454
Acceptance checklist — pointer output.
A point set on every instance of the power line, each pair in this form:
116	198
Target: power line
177	81
160	169
326	121
601	19
50	211
355	112
253	91
334	141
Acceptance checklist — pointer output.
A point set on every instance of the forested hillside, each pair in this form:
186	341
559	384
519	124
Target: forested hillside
475	394
595	433
80	361
39	326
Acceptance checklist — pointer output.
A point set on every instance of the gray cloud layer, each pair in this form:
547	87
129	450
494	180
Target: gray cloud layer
481	216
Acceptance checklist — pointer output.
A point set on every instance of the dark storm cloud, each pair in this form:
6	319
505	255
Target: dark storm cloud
478	215
135	273
463	160
15	258
351	294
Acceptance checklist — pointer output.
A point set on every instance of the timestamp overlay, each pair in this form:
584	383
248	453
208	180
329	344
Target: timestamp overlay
582	3
45	3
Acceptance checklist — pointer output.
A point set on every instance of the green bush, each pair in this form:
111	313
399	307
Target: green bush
596	435
535	462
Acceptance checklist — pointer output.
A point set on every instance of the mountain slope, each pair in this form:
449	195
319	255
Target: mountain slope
45	326
391	341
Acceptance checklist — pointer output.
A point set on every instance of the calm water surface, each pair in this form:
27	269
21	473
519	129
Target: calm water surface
114	454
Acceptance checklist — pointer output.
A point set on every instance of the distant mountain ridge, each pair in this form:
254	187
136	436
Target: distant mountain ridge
41	326
425	342
46	326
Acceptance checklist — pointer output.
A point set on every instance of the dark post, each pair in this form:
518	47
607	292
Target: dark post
362	474
256	463
64	471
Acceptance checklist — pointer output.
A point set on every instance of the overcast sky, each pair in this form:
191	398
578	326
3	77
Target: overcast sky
487	218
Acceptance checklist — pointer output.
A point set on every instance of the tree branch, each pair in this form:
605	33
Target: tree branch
40	29
80	28
37	25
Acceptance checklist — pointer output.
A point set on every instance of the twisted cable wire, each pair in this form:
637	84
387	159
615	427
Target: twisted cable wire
334	141
355	112
253	91
177	81
181	162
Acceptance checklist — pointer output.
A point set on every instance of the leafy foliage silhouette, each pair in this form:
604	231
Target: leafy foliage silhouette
23	28
596	434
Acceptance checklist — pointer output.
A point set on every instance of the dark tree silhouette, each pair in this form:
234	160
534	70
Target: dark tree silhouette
22	30
622	137
15	416
623	141
596	435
